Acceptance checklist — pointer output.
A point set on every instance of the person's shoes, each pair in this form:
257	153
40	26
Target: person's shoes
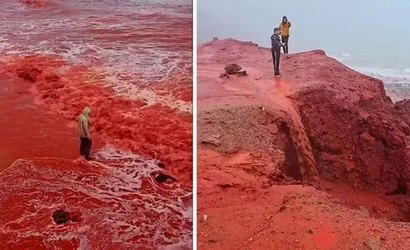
278	76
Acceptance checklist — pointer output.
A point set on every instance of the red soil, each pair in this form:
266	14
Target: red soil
321	124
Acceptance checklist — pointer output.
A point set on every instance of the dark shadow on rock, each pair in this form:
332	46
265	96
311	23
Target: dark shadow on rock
62	217
292	165
161	178
401	188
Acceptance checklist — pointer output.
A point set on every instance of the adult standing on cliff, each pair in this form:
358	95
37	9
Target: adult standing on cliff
84	132
284	32
276	45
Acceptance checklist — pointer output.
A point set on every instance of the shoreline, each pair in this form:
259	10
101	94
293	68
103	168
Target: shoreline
306	146
64	56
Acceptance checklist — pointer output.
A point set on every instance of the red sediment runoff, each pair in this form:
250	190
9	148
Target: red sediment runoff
137	194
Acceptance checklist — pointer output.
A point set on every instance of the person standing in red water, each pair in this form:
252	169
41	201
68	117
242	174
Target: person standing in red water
284	32
84	131
276	45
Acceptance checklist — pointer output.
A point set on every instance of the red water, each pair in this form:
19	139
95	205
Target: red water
130	61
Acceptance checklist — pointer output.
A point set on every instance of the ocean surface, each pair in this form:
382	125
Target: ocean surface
396	79
129	42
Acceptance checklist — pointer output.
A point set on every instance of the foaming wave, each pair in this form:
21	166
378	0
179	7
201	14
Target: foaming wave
125	46
344	57
176	7
115	196
127	71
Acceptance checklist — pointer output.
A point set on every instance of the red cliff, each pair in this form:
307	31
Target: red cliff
322	124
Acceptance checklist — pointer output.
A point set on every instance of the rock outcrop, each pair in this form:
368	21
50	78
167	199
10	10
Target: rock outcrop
356	134
351	123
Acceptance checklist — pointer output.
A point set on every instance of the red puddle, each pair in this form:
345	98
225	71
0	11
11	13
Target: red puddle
26	130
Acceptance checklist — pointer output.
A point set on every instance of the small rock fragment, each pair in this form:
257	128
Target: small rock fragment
161	178
232	69
61	217
213	140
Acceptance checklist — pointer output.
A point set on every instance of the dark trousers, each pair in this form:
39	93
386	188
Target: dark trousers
85	147
276	60
285	40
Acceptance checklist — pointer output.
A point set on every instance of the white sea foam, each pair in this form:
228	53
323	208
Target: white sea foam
344	57
120	195
396	80
128	57
384	72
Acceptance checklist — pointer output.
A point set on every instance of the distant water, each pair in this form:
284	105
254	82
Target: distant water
396	80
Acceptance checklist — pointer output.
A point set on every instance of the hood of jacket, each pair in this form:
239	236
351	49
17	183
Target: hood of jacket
86	111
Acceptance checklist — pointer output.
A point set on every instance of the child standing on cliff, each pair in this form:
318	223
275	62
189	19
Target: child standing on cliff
276	46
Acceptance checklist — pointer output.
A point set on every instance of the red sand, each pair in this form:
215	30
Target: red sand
321	124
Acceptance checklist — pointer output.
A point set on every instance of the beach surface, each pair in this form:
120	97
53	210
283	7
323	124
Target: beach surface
131	63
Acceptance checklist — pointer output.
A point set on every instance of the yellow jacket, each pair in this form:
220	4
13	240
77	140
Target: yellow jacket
284	28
